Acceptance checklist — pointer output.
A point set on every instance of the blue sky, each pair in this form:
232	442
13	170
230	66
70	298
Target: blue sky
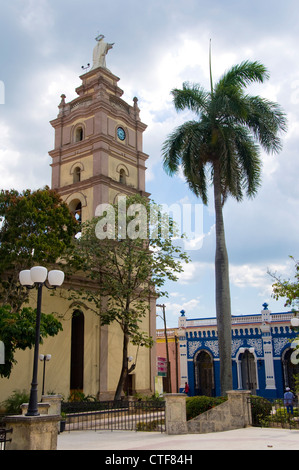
158	45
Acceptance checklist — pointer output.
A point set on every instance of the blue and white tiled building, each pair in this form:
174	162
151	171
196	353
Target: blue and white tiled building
264	359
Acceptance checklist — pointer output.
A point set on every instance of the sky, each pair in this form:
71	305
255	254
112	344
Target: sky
157	46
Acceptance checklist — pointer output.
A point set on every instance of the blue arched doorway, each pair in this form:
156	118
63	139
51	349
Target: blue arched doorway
204	382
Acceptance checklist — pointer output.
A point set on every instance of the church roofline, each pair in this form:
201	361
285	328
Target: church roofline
240	319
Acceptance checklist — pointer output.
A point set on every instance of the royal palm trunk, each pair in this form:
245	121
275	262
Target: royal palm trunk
223	306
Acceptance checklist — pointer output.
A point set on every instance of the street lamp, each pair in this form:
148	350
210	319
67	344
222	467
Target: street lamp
167	351
30	278
44	358
295	322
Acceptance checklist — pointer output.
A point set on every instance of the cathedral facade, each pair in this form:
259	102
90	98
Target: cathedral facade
97	156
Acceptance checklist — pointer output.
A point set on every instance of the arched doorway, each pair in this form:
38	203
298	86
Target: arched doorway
290	368
248	371
78	212
76	208
77	351
204	374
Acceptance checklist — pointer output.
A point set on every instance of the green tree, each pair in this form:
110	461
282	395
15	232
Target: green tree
35	228
287	288
17	331
222	147
127	264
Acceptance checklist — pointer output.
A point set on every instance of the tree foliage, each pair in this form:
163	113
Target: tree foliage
229	126
35	228
287	288
127	267
17	331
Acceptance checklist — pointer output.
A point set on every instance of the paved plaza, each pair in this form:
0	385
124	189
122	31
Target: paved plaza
250	438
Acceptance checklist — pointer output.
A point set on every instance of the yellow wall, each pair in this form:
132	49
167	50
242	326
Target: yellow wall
58	368
131	171
68	167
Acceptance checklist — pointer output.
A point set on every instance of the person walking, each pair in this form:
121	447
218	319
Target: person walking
187	388
288	399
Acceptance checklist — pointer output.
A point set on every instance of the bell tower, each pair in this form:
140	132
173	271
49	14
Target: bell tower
98	152
98	156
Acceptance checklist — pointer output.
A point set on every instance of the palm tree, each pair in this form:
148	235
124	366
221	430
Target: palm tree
222	147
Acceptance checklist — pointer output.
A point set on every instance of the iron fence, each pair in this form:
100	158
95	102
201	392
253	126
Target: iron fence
112	415
273	413
3	437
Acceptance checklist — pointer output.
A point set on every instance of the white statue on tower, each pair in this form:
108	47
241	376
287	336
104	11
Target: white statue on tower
100	51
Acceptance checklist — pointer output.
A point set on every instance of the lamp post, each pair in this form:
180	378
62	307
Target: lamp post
30	278
44	358
295	322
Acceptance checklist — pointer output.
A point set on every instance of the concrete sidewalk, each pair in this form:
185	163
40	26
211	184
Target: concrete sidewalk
250	438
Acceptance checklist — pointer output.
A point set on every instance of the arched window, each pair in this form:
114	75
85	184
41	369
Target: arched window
77	174
123	173
122	176
77	203
248	371
79	134
78	212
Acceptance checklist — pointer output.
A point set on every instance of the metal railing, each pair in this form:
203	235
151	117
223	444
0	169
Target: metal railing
3	437
114	415
273	413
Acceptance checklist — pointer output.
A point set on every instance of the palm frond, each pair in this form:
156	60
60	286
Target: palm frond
249	159
185	148
174	145
243	74
230	129
192	97
266	120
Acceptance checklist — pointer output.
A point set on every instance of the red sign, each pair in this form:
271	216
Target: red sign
162	366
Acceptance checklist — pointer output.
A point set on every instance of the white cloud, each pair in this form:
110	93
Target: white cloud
194	272
188	274
249	276
36	17
258	276
173	309
10	159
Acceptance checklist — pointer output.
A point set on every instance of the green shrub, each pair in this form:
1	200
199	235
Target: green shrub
12	404
199	404
78	396
154	425
261	410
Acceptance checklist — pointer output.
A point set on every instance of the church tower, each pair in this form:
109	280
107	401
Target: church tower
98	142
98	156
